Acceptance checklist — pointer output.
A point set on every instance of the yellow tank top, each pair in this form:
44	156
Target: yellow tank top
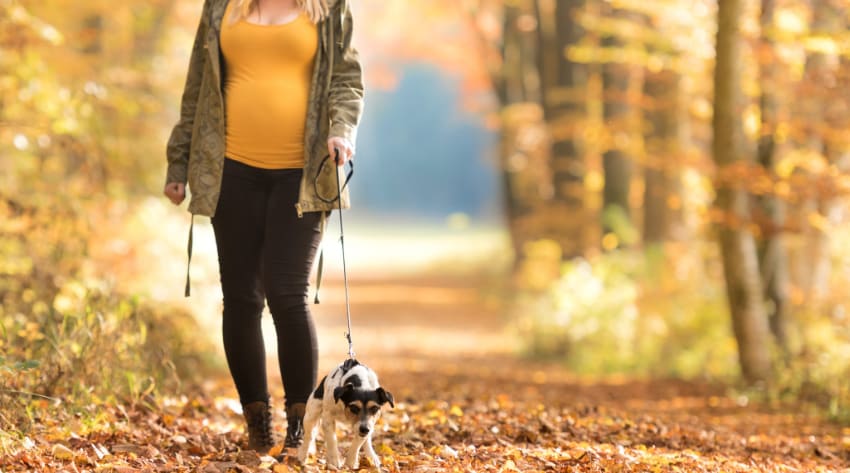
266	88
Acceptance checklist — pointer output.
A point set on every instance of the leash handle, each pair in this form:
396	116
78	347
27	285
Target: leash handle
348	177
340	187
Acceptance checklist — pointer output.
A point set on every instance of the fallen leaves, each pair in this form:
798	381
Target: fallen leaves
469	423
62	452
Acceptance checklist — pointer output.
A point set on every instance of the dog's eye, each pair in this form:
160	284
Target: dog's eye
354	409
374	410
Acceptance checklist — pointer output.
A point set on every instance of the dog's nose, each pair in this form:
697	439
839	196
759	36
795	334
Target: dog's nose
364	430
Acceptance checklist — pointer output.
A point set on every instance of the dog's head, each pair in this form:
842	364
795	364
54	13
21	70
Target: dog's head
362	406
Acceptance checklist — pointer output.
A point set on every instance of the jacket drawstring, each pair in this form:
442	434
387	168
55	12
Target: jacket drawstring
189	261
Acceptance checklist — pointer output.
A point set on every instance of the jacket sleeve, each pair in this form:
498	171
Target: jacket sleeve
177	150
346	84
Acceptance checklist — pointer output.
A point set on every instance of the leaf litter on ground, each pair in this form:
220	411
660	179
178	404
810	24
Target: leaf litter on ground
486	415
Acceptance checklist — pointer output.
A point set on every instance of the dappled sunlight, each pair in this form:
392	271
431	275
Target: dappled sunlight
419	290
584	236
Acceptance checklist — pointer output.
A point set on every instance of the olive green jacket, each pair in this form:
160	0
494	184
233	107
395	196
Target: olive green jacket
196	147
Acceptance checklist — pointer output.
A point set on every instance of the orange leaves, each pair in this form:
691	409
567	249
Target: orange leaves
477	424
281	468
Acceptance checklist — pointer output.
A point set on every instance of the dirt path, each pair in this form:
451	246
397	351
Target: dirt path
465	403
469	403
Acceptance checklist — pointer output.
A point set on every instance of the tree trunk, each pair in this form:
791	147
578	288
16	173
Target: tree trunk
773	255
663	141
518	89
822	95
737	245
562	84
618	114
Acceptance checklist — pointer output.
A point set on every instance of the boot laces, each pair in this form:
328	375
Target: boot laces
260	425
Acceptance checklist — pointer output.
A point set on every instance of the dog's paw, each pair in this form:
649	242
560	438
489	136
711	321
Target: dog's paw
334	462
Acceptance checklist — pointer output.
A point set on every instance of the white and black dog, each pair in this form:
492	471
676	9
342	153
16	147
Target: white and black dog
350	394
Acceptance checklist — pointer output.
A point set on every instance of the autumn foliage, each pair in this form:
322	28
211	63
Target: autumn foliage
605	345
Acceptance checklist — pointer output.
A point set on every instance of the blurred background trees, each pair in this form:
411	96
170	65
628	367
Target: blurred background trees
81	95
652	133
671	175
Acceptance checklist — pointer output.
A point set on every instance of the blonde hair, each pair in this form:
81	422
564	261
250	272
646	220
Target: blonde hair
316	10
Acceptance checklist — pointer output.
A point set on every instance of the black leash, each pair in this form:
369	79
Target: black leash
339	187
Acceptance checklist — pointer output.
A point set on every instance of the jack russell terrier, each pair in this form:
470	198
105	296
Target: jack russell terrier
349	394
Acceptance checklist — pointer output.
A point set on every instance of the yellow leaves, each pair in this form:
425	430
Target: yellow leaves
384	450
822	45
611	438
701	108
654	63
62	452
752	121
804	160
782	189
51	34
594	181
444	451
509	466
437	415
818	221
610	242
542	264
790	21
31	332
70	298
19	15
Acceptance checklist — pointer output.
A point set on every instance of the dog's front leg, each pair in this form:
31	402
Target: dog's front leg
329	430
370	452
311	421
352	457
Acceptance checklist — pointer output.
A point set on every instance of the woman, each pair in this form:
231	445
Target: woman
274	86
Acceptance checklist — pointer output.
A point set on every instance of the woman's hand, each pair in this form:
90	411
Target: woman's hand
346	150
175	191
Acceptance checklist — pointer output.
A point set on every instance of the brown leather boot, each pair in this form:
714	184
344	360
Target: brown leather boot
294	425
258	416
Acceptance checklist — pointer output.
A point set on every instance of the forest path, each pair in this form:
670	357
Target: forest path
464	402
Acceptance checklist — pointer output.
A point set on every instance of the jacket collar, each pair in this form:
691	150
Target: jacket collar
217	9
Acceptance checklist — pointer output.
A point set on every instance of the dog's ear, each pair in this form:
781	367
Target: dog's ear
385	396
342	391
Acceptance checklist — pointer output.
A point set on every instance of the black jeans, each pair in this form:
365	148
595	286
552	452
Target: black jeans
266	252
